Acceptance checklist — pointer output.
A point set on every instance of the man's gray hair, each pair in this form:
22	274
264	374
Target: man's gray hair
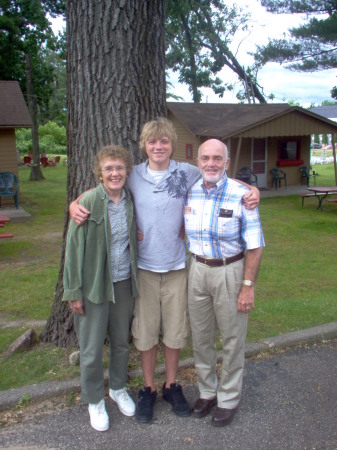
225	147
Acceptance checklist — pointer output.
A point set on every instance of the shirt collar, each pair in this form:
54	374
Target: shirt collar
143	166
171	167
105	194
219	185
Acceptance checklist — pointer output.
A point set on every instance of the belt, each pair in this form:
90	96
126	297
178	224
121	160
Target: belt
217	262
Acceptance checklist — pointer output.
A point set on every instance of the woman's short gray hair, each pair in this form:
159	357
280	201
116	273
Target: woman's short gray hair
113	152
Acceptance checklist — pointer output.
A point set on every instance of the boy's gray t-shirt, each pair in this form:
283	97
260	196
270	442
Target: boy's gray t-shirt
159	214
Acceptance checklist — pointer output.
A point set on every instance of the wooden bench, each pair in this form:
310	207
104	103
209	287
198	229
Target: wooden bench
6	235
303	196
3	220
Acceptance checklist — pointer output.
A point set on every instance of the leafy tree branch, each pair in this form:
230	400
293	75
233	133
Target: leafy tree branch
311	46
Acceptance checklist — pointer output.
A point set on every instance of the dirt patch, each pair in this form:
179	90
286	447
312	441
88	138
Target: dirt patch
21	323
26	411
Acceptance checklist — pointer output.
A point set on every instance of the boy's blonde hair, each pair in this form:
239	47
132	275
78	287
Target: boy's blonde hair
156	129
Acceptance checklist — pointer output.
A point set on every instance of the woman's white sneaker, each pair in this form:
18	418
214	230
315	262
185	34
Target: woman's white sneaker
124	402
99	418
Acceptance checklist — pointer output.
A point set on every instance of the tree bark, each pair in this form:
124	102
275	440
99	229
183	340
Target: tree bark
116	82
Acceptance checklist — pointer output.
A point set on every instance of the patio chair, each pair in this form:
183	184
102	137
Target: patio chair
44	161
305	173
247	175
277	176
27	159
51	161
9	186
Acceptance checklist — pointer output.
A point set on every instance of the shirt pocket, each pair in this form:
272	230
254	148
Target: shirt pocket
227	227
95	219
96	228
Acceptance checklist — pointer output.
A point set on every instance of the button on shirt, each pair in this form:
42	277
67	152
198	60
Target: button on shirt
120	252
217	224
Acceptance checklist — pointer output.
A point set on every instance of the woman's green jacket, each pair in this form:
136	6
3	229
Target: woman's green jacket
87	269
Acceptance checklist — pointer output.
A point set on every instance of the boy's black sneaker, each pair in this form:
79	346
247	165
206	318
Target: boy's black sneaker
174	395
146	399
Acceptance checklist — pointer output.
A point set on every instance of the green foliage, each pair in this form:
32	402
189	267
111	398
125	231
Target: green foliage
57	133
328	103
23	140
299	6
293	102
25	34
52	137
312	46
58	101
25	30
25	399
333	92
71	399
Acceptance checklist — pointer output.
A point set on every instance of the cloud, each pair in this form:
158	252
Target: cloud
303	88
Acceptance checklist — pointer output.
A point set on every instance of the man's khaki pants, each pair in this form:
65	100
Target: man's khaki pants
212	301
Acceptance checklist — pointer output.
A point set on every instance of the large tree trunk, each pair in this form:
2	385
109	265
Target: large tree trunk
116	82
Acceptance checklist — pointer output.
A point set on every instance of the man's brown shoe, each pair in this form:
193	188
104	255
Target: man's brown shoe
222	416
202	407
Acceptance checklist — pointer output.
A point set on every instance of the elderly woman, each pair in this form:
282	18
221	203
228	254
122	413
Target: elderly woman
100	283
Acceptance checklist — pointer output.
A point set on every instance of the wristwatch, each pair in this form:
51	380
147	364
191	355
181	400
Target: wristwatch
248	283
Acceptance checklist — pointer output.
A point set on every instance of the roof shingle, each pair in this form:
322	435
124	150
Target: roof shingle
224	119
13	109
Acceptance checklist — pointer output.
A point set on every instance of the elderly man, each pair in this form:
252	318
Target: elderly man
226	242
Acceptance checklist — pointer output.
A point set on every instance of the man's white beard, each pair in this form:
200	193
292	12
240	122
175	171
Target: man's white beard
212	178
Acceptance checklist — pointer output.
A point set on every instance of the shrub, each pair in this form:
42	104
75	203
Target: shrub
58	134
52	139
23	140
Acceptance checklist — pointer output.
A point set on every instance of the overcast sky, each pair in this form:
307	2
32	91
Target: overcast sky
303	88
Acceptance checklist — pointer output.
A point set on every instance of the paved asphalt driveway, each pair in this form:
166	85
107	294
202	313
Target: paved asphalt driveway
289	402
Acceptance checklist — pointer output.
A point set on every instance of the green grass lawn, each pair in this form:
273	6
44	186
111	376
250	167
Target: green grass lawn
296	287
325	175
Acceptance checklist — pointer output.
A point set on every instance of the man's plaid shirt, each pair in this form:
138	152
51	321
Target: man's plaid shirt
217	224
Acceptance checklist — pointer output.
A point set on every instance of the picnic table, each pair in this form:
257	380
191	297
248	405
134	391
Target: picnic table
321	192
4	219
